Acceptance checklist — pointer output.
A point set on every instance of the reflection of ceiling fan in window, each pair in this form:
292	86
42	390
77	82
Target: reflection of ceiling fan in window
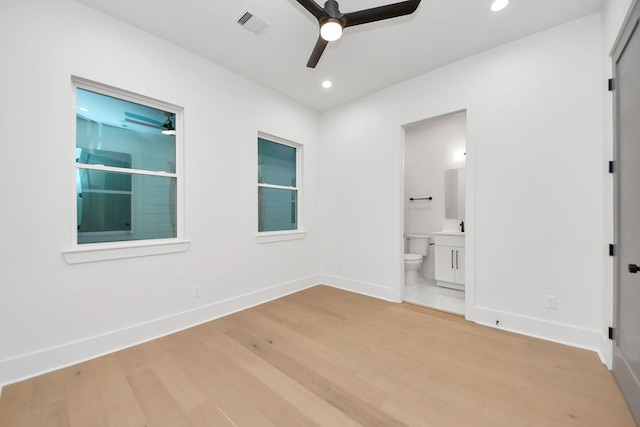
167	127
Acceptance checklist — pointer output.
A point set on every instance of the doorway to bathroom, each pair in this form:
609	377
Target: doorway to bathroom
434	207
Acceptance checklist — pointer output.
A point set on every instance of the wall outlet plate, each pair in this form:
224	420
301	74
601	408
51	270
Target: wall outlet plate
551	302
197	291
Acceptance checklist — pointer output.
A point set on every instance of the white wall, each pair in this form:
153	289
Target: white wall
534	155
52	313
535	123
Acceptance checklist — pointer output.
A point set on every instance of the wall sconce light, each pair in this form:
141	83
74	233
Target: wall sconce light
459	155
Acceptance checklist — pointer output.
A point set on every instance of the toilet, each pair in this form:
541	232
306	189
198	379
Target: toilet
413	259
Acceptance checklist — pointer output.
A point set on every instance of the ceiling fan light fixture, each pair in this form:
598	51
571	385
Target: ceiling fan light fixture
498	5
168	128
331	29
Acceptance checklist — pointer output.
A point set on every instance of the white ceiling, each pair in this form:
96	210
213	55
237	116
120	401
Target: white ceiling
366	59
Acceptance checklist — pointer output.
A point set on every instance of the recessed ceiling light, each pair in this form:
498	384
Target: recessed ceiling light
499	5
326	84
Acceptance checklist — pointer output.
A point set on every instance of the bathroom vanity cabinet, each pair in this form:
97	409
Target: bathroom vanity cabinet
449	259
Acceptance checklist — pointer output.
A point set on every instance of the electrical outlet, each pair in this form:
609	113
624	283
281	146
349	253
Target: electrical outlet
197	291
551	302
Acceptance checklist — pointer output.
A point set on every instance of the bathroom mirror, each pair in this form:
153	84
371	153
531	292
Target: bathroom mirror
454	193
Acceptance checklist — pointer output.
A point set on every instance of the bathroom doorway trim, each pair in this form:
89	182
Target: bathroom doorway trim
470	204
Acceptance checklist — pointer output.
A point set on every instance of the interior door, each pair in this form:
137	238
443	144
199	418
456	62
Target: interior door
626	62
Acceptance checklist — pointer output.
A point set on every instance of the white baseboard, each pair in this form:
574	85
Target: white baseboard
50	359
606	351
359	287
588	339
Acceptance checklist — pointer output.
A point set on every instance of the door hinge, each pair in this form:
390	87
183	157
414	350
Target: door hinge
611	331
612	85
612	166
612	250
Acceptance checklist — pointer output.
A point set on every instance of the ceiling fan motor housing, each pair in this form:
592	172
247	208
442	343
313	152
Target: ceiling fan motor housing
332	10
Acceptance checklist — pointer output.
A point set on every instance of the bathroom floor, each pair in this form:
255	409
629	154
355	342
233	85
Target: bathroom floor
428	294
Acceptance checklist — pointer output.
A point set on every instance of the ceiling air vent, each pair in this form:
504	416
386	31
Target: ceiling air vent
249	21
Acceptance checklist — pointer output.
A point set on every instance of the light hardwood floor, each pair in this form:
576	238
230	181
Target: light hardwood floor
325	357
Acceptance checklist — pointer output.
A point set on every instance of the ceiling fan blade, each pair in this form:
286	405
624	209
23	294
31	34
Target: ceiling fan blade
321	44
142	123
133	117
379	13
313	7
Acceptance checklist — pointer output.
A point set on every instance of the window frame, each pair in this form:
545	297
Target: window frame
282	235
100	251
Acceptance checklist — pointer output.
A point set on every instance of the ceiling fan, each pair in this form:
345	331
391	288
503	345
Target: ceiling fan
167	127
332	21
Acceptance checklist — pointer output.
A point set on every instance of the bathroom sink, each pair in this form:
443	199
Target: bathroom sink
453	238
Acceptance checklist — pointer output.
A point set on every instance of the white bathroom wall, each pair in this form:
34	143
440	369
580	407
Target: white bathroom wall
535	149
429	149
52	313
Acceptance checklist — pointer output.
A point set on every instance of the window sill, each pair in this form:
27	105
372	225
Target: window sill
101	252
280	236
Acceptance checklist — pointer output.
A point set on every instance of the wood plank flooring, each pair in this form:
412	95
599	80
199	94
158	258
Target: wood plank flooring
326	357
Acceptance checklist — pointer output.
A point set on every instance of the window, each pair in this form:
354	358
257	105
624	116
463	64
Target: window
278	186
127	174
103	199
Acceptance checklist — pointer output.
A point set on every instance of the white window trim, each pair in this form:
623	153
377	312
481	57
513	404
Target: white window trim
300	232
280	236
92	252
